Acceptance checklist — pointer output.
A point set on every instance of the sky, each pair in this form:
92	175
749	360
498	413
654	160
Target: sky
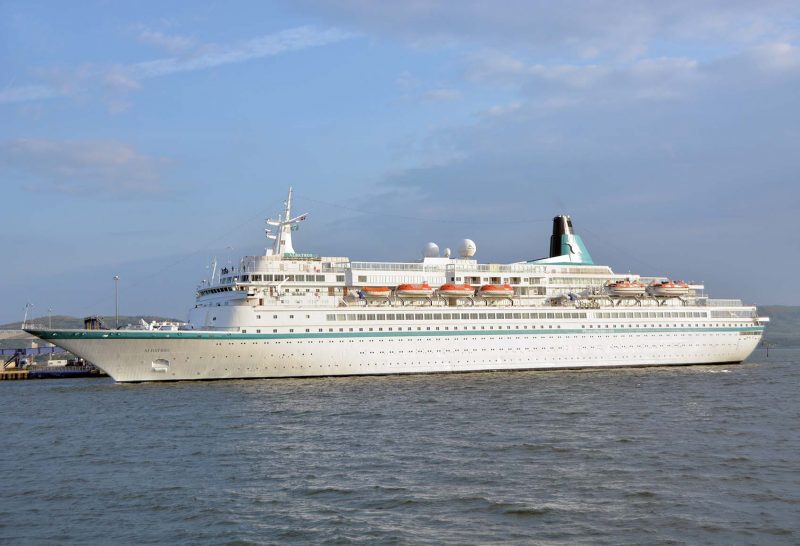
143	139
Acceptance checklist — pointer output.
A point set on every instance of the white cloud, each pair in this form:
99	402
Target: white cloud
128	77
777	57
435	95
503	109
82	167
211	56
173	43
25	93
586	29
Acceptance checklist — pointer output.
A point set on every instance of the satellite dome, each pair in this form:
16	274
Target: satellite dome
467	248
447	252
431	250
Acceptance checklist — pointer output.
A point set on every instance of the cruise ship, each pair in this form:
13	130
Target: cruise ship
294	314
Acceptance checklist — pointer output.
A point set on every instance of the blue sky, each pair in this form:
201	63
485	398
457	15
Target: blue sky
142	139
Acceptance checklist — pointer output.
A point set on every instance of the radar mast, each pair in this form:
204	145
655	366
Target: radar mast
283	228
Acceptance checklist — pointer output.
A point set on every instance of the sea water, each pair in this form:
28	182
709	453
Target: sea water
699	454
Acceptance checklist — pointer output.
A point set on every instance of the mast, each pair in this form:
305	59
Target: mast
284	226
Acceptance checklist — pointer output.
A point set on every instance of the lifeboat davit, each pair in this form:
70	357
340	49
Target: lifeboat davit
414	290
496	291
627	289
375	292
669	289
456	290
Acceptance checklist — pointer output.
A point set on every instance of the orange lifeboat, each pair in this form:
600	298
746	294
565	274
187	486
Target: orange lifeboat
626	289
496	291
669	289
422	290
375	292
456	290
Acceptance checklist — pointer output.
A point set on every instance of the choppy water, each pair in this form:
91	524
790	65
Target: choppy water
649	456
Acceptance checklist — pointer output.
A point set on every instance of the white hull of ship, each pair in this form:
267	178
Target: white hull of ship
176	359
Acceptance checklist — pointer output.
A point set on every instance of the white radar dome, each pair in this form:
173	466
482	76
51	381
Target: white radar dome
431	250
447	252
467	248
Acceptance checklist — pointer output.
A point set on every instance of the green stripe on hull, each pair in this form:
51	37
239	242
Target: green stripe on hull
103	334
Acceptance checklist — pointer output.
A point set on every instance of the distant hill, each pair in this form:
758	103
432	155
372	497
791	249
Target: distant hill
783	329
66	321
11	337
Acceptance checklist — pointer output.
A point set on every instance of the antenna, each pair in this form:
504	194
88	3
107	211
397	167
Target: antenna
28	306
284	226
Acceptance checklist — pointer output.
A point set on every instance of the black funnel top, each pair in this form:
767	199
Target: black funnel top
561	225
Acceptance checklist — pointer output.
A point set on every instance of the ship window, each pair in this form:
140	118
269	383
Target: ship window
418	316
330	317
390	316
361	317
362	278
492	316
437	316
482	315
339	278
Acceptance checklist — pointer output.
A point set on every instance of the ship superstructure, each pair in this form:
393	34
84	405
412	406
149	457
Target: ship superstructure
289	314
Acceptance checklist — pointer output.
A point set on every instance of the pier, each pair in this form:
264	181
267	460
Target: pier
18	364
